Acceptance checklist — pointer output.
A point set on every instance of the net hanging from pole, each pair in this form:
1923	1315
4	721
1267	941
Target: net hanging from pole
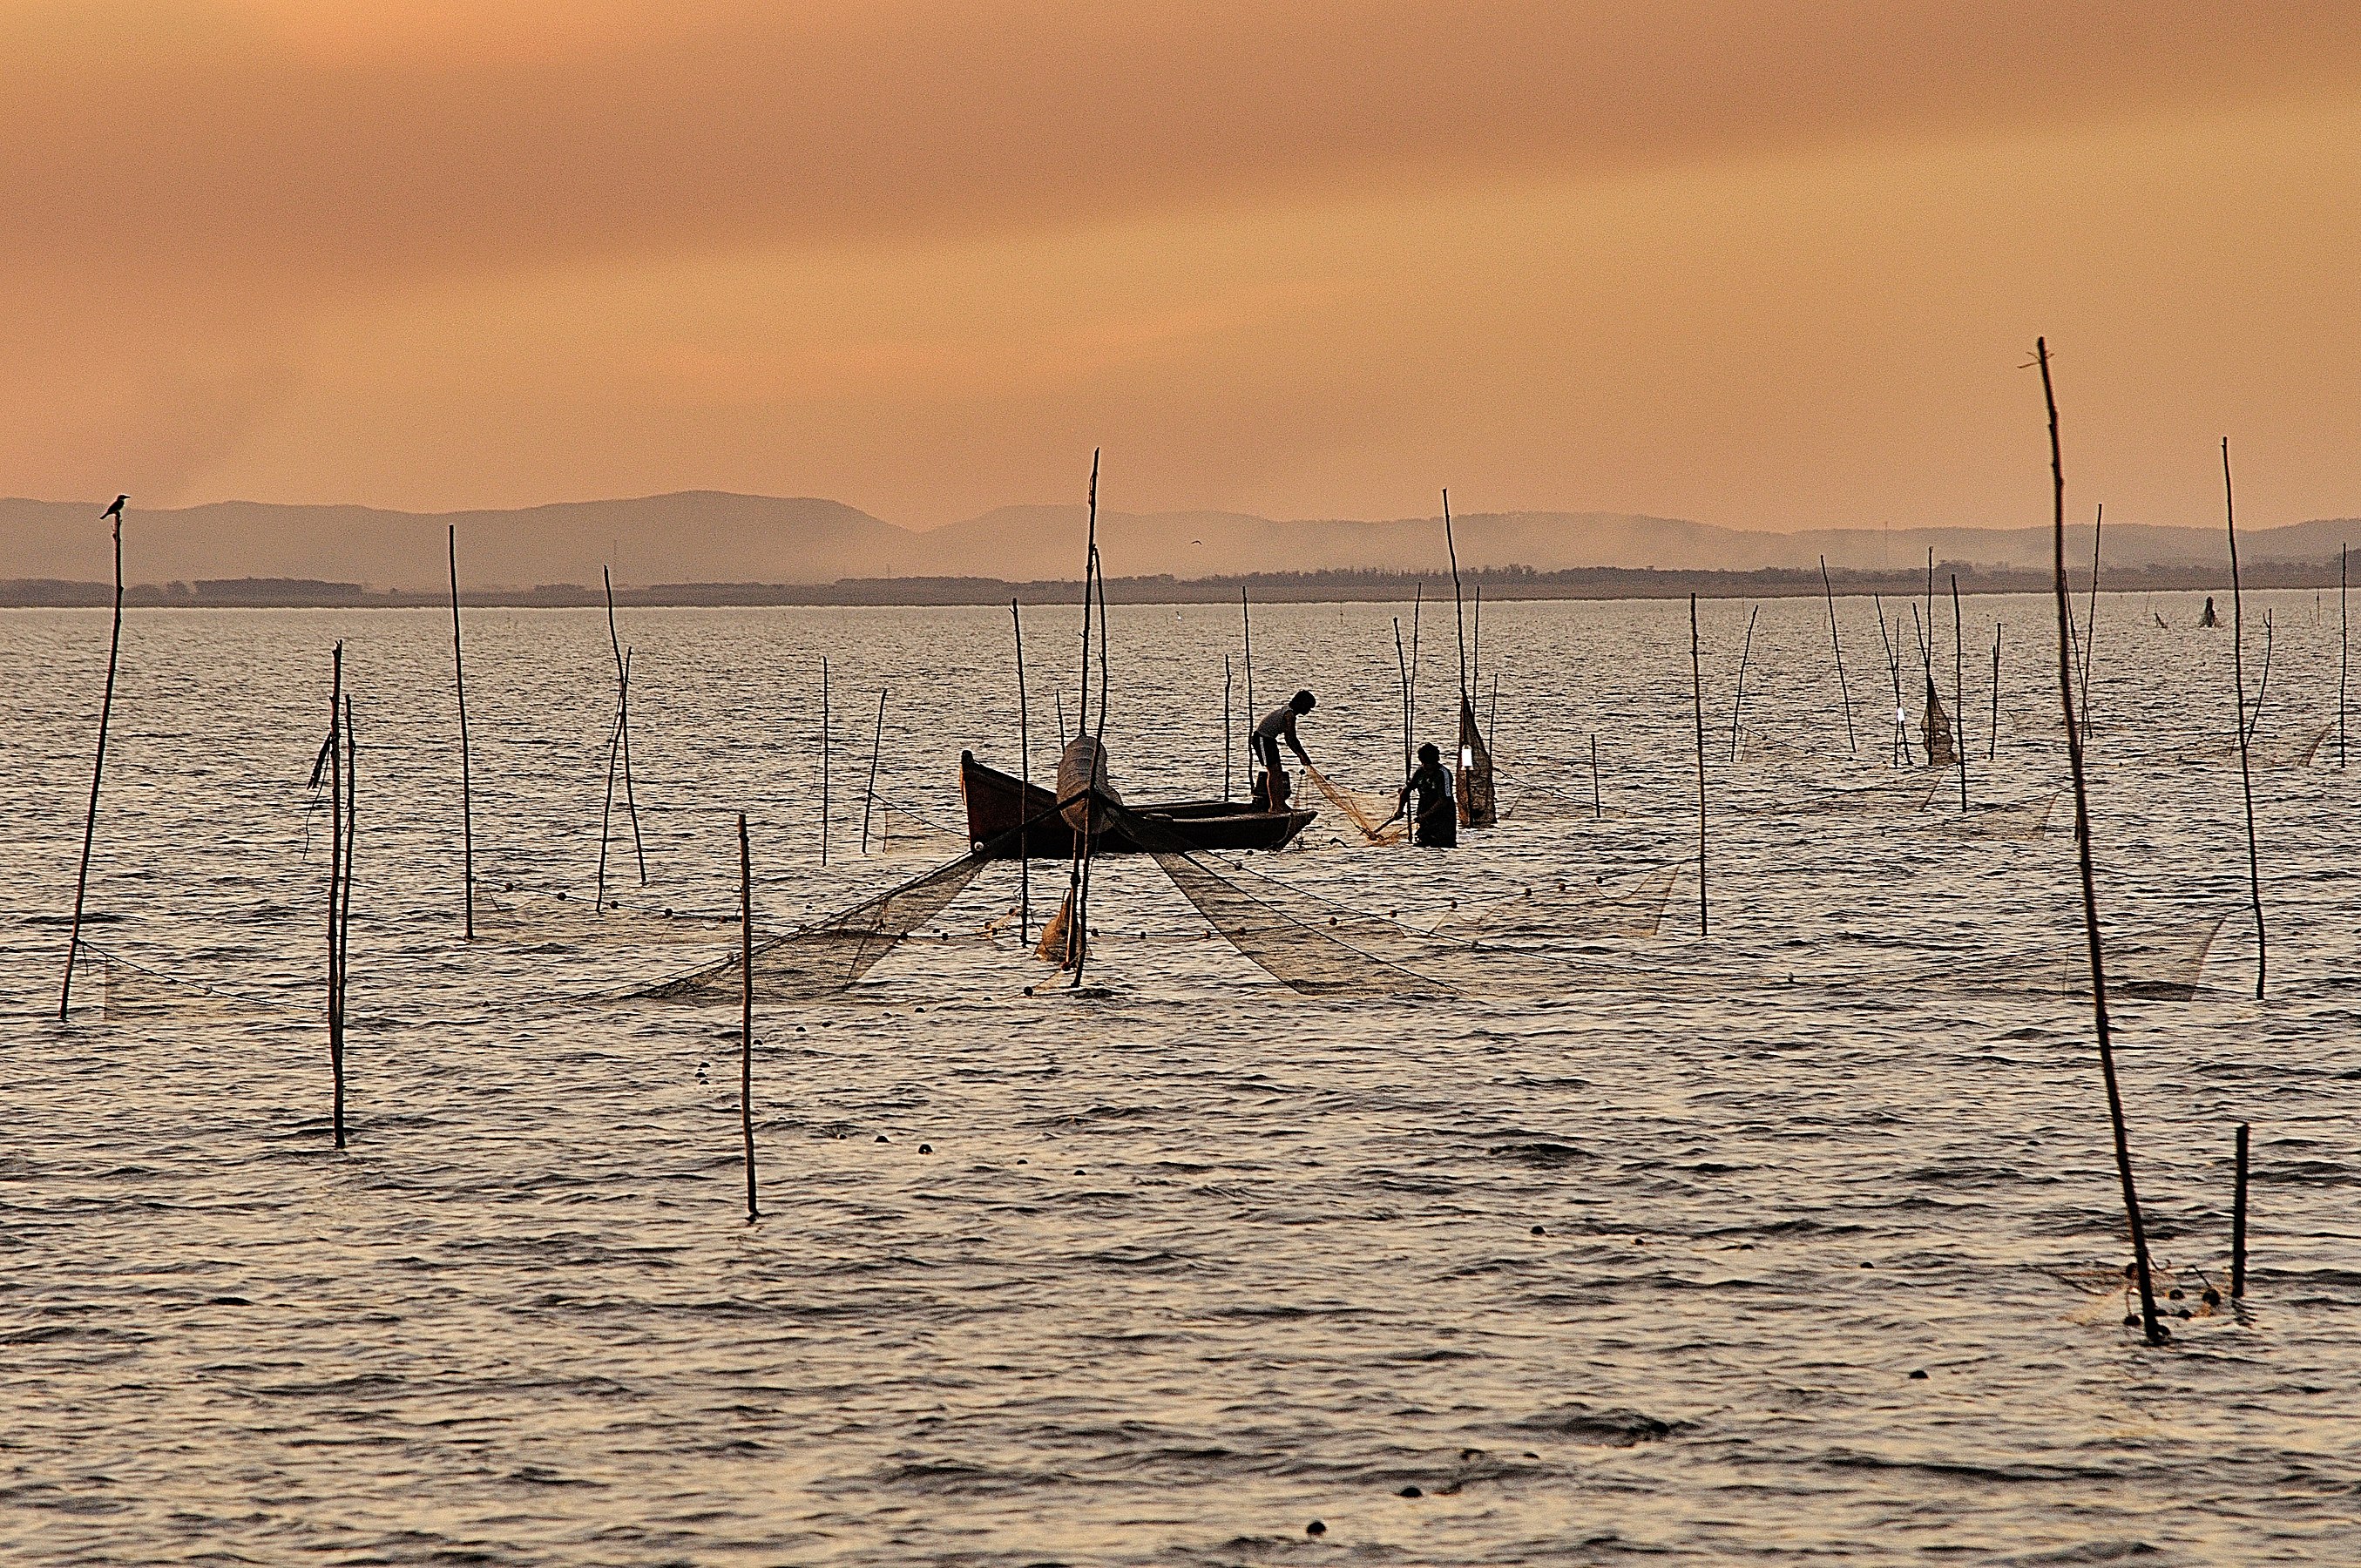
1364	811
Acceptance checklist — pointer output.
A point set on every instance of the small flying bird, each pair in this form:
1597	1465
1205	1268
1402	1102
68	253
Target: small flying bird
114	511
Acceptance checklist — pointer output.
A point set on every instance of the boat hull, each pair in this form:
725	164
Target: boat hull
998	805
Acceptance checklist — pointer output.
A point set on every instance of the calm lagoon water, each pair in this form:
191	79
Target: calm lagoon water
1166	1271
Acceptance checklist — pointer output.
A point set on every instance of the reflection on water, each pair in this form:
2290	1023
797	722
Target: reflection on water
1166	1271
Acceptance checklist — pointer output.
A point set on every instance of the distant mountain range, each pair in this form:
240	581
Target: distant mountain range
711	537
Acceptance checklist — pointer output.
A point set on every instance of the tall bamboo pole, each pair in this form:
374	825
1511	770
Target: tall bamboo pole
467	777
1851	745
1696	698
1738	707
344	901
2091	621
1245	624
2238	678
746	1013
1025	772
2238	1222
2343	650
1992	746
2149	1323
1402	676
623	724
1229	753
823	759
1458	612
869	790
336	886
1959	690
97	771
1598	811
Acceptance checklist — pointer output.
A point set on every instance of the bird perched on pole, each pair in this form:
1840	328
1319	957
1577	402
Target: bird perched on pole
114	511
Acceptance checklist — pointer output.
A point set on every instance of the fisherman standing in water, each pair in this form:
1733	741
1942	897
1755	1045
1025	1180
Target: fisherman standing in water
1276	726
1435	824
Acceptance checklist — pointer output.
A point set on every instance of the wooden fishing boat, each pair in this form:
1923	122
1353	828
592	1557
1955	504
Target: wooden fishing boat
997	804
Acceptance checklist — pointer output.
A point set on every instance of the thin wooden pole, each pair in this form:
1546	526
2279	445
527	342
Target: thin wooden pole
1245	623
1476	639
2238	1224
1893	672
1598	811
336	886
1090	555
1738	707
97	771
2238	678
2150	1325
746	1012
1458	612
1098	741
2090	619
869	790
1401	674
345	902
1851	744
1228	751
2344	653
466	776
623	724
1025	771
1417	602
823	759
1696	698
1992	746
607	812
1960	688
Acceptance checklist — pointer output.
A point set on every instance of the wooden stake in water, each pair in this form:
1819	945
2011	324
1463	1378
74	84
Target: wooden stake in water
869	790
623	724
467	777
1960	688
1696	697
1025	772
823	761
2238	678
2343	651
1897	751
2238	1224
1229	753
2150	1325
1401	680
1738	709
97	768
336	886
1596	810
345	902
746	1013
1245	623
614	758
1843	692
1992	746
2091	618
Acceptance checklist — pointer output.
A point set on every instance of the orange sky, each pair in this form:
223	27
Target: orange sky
1769	265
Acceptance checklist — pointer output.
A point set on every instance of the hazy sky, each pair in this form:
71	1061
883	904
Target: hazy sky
1771	264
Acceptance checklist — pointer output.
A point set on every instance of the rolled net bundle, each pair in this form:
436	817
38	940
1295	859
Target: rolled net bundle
1364	811
537	919
820	959
1568	911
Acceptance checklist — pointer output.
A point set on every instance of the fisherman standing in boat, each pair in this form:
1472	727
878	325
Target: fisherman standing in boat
1276	726
1435	824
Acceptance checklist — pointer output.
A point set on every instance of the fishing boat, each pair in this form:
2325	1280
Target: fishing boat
998	805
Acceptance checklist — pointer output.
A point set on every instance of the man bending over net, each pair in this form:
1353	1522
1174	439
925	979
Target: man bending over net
1276	726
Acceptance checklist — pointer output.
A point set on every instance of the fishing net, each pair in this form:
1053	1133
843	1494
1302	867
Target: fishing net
2160	961
820	959
127	992
514	918
1364	811
897	830
1568	911
2022	820
1906	791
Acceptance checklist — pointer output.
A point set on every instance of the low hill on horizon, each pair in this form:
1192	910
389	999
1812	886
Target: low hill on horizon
703	536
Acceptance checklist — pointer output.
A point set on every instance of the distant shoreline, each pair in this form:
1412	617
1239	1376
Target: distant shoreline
1276	587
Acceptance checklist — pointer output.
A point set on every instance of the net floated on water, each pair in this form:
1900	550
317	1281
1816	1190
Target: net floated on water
536	919
2166	962
1569	911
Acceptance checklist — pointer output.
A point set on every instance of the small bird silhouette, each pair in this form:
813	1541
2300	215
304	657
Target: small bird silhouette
114	511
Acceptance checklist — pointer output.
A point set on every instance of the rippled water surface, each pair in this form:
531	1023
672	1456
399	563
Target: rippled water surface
1165	1271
